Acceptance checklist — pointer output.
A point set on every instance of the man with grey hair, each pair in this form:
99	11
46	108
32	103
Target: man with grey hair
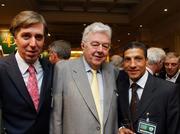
172	65
83	88
117	61
59	50
155	61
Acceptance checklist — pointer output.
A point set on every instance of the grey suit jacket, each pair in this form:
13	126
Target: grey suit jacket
74	110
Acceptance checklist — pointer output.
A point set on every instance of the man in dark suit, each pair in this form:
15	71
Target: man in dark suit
152	107
25	97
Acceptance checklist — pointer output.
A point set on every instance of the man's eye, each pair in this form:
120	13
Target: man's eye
126	59
95	44
39	37
138	58
106	45
26	36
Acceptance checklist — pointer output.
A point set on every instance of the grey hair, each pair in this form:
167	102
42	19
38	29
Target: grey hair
155	55
96	27
62	48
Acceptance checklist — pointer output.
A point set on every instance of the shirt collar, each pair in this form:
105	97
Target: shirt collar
87	67
23	66
142	81
174	77
150	71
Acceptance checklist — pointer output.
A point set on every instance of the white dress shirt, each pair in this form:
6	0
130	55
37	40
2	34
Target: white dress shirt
23	66
141	82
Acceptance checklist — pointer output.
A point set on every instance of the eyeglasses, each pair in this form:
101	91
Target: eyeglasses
96	44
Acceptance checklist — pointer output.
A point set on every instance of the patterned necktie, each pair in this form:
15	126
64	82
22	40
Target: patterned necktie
96	95
134	101
32	86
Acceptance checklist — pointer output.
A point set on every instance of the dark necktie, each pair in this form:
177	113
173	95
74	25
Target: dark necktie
134	101
32	86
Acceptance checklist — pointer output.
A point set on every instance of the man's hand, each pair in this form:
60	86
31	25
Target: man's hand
124	130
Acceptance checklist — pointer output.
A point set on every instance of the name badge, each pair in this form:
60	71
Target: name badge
146	127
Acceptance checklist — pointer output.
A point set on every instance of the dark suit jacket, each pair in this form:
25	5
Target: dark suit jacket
159	99
163	76
19	114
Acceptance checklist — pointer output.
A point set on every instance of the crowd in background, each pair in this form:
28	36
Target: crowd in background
137	91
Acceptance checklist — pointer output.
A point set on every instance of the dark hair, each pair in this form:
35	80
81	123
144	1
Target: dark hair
25	19
62	48
136	44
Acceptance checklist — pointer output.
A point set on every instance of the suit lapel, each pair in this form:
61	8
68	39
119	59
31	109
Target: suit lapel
146	97
46	75
124	98
178	80
82	82
16	77
108	90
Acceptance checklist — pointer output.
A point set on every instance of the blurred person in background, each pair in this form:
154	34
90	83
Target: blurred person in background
59	50
172	65
117	61
155	60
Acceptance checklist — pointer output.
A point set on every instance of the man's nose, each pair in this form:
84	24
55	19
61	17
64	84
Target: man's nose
33	42
100	47
132	63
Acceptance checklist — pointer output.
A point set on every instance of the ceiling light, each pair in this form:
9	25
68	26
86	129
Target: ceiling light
129	33
165	10
140	25
2	4
49	34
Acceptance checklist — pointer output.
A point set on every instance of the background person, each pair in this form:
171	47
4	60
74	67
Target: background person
172	64
117	61
59	50
155	60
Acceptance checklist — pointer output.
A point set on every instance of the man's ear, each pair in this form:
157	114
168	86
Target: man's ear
82	45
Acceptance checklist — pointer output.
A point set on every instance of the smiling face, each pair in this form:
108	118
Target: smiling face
30	42
96	49
134	63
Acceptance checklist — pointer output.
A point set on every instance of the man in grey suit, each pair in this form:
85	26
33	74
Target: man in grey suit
75	109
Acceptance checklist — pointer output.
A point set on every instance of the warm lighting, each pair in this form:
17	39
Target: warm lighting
76	52
2	4
165	10
129	33
141	26
49	34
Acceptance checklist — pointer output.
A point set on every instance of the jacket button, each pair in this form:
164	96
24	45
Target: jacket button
98	128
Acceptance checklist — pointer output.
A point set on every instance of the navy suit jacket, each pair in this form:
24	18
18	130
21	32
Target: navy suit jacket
159	99
18	112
